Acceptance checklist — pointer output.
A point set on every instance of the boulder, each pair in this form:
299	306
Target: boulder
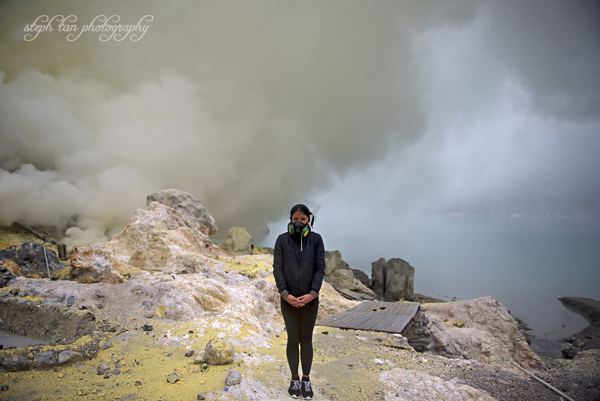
362	277
339	274
393	279
15	364
233	378
94	272
46	358
333	260
69	356
28	260
489	334
344	281
193	210
158	238
237	241
219	352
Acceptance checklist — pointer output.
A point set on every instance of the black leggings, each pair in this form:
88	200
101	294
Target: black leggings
299	323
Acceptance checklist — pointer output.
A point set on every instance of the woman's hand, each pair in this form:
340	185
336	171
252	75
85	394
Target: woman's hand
292	300
304	299
298	302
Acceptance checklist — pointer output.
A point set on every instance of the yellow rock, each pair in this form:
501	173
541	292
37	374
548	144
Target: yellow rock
219	352
12	267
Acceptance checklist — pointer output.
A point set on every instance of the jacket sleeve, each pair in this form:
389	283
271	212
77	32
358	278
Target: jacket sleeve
278	269
317	280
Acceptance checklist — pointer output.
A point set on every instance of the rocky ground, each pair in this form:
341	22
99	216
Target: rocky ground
348	365
136	318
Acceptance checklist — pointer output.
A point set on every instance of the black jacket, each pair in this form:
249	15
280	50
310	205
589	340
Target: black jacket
299	272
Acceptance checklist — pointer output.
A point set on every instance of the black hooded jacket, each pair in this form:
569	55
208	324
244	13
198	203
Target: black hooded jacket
299	272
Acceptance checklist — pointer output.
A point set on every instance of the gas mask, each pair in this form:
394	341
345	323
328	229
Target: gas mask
298	229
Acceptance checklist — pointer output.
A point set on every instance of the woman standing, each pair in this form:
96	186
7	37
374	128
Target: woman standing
299	267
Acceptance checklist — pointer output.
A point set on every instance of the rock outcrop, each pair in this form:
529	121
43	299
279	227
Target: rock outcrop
192	210
343	279
488	333
393	279
28	260
238	241
159	238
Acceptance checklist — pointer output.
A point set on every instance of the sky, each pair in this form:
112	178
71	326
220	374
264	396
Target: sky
368	112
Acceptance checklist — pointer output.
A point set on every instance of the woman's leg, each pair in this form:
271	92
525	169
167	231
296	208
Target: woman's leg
291	317
308	317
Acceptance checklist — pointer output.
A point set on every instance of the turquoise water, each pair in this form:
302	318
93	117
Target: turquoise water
525	263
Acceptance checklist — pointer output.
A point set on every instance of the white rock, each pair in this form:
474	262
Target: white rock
490	334
69	356
401	384
158	238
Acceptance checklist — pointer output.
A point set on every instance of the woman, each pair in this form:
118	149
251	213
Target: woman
299	267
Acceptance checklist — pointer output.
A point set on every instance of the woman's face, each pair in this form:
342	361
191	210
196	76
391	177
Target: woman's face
299	216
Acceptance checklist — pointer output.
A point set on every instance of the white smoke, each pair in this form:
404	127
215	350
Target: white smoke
254	106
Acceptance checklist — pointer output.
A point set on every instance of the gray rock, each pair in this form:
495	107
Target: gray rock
343	280
115	372
233	377
15	364
193	209
106	344
172	378
30	258
69	356
569	351
362	277
219	352
46	358
237	241
199	358
393	279
102	369
70	300
333	260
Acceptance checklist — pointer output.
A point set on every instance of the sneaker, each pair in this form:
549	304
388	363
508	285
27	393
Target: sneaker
294	390
307	392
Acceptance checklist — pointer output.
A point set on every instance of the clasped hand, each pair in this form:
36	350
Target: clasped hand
300	301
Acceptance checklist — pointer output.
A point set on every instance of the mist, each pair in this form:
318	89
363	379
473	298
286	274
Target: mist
366	111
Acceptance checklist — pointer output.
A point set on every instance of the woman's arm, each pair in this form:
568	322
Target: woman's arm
317	280
278	269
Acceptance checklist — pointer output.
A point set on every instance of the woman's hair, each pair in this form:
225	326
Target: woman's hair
303	209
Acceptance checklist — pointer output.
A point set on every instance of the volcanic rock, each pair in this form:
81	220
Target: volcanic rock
158	238
343	279
28	260
193	210
237	241
219	352
233	377
393	279
489	334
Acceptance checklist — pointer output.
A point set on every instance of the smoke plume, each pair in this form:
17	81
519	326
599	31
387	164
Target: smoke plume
255	106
